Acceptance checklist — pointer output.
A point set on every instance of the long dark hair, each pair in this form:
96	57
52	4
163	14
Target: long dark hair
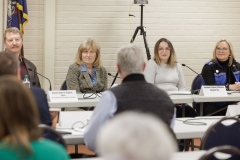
19	117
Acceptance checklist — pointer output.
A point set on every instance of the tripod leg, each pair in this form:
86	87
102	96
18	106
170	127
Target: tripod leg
135	34
133	38
145	43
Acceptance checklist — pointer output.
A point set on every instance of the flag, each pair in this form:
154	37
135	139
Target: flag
17	14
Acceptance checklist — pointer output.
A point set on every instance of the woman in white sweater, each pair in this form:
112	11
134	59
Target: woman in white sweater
164	76
164	71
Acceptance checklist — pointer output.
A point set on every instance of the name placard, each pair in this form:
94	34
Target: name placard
63	96
213	91
233	110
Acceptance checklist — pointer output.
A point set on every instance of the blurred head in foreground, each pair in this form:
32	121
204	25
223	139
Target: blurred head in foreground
19	117
135	136
9	64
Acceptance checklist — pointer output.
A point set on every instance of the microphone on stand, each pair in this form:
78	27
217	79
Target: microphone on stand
184	65
112	75
50	88
197	81
114	79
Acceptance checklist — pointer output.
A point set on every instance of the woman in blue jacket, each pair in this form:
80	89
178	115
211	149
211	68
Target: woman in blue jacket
221	70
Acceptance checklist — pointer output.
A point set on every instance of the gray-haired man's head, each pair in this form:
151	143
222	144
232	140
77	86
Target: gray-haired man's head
130	60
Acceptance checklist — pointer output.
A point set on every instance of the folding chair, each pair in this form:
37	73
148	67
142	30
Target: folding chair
196	86
52	134
63	86
222	132
233	153
196	83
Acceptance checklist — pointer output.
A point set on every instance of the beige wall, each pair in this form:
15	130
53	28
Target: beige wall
34	35
193	26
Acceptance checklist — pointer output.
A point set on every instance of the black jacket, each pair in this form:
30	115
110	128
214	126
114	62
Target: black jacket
32	75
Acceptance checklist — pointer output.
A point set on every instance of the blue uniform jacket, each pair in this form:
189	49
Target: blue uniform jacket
221	77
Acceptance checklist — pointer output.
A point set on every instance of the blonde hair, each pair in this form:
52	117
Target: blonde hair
87	44
172	58
19	117
11	30
231	56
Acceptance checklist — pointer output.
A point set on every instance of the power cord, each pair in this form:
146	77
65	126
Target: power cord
91	96
192	121
129	15
83	125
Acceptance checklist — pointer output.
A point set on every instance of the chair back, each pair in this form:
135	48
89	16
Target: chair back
52	134
195	87
196	83
222	133
233	153
63	86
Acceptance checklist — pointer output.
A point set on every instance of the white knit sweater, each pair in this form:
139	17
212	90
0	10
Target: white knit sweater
168	79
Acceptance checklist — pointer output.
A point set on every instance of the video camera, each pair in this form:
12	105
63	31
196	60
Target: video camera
140	1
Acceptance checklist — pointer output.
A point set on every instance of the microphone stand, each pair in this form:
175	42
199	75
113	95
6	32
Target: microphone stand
195	91
190	68
50	88
114	79
112	75
143	32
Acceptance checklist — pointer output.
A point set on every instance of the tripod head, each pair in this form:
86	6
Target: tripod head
140	1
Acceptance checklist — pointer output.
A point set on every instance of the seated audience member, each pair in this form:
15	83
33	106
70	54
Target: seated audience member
135	136
221	70
20	136
13	43
166	73
134	94
9	65
87	75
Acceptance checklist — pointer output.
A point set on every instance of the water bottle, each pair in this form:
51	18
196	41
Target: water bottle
26	81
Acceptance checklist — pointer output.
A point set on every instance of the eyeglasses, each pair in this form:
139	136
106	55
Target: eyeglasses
164	50
88	52
222	49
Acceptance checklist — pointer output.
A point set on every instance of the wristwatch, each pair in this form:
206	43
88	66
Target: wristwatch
227	87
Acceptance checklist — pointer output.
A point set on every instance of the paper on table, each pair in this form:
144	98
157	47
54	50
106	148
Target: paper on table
233	110
230	92
79	129
179	93
77	133
73	132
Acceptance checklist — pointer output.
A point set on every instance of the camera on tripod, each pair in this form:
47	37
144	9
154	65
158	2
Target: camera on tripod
140	1
142	30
